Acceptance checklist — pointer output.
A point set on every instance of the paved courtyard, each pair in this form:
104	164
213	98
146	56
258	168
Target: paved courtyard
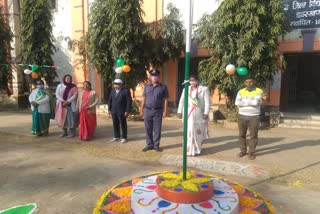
68	176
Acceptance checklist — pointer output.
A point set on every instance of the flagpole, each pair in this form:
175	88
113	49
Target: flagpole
186	88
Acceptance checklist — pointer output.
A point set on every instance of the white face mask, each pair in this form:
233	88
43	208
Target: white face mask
193	83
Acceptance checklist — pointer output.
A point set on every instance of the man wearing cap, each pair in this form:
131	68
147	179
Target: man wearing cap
119	105
153	108
249	100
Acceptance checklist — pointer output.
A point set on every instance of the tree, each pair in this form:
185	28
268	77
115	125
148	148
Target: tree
244	33
5	68
36	37
117	30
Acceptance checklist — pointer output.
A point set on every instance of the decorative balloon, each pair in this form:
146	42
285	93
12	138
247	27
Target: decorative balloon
34	75
242	71
230	69
118	70
34	67
27	71
120	62
126	68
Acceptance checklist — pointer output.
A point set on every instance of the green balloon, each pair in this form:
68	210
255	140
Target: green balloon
242	71
120	62
34	67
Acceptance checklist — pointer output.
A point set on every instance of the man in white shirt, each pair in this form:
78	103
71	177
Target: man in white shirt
248	101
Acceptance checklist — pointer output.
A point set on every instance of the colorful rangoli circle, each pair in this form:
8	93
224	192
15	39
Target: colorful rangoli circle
118	200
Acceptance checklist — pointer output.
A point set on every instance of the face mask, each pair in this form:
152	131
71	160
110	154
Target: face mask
154	78
193	83
40	86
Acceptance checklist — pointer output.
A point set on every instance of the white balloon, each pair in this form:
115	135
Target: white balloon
230	67
118	70
27	71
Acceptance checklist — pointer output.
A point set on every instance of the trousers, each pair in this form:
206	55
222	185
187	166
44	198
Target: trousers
119	120
251	123
153	125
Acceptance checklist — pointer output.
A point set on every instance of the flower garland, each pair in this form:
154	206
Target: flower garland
173	180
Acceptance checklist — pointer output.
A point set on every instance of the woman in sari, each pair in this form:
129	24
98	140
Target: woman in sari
66	117
86	106
198	115
42	109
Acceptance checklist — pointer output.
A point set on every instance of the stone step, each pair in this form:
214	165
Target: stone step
299	126
301	122
300	116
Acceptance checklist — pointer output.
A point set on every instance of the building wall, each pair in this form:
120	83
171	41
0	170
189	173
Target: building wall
62	32
153	10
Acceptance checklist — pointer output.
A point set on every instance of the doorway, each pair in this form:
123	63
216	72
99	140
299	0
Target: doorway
300	91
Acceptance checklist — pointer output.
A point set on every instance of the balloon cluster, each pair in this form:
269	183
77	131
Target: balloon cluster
121	67
33	71
231	70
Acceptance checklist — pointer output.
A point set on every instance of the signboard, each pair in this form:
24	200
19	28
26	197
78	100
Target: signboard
302	13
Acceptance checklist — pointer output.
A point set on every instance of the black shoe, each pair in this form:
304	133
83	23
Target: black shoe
158	149
146	149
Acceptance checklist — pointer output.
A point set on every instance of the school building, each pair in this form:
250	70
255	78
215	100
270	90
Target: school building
294	88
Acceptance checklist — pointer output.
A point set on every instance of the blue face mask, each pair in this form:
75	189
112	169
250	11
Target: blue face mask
40	86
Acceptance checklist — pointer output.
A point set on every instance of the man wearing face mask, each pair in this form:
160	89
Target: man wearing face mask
198	115
42	109
119	105
153	108
249	100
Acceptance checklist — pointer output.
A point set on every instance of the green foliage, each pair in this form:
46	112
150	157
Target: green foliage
243	33
36	37
5	69
163	40
116	30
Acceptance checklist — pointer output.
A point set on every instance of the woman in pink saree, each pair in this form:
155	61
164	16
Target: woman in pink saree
66	117
86	106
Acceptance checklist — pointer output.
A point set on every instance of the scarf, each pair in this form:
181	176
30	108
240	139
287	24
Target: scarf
68	88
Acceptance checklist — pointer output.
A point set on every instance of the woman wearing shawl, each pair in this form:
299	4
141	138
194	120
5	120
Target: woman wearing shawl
198	115
42	109
86	106
66	95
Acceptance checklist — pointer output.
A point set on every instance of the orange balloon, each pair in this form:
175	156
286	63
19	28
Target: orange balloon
126	68
231	72
34	75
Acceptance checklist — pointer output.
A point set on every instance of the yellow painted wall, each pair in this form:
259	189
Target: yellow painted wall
79	27
150	7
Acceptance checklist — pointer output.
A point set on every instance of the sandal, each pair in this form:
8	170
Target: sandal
251	157
241	154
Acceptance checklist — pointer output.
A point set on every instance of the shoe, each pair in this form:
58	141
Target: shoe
124	140
241	154
251	156
63	135
71	136
158	149
146	148
114	139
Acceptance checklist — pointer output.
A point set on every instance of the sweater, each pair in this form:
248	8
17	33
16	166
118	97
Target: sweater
249	102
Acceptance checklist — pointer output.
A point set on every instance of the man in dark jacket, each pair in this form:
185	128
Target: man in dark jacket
119	106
